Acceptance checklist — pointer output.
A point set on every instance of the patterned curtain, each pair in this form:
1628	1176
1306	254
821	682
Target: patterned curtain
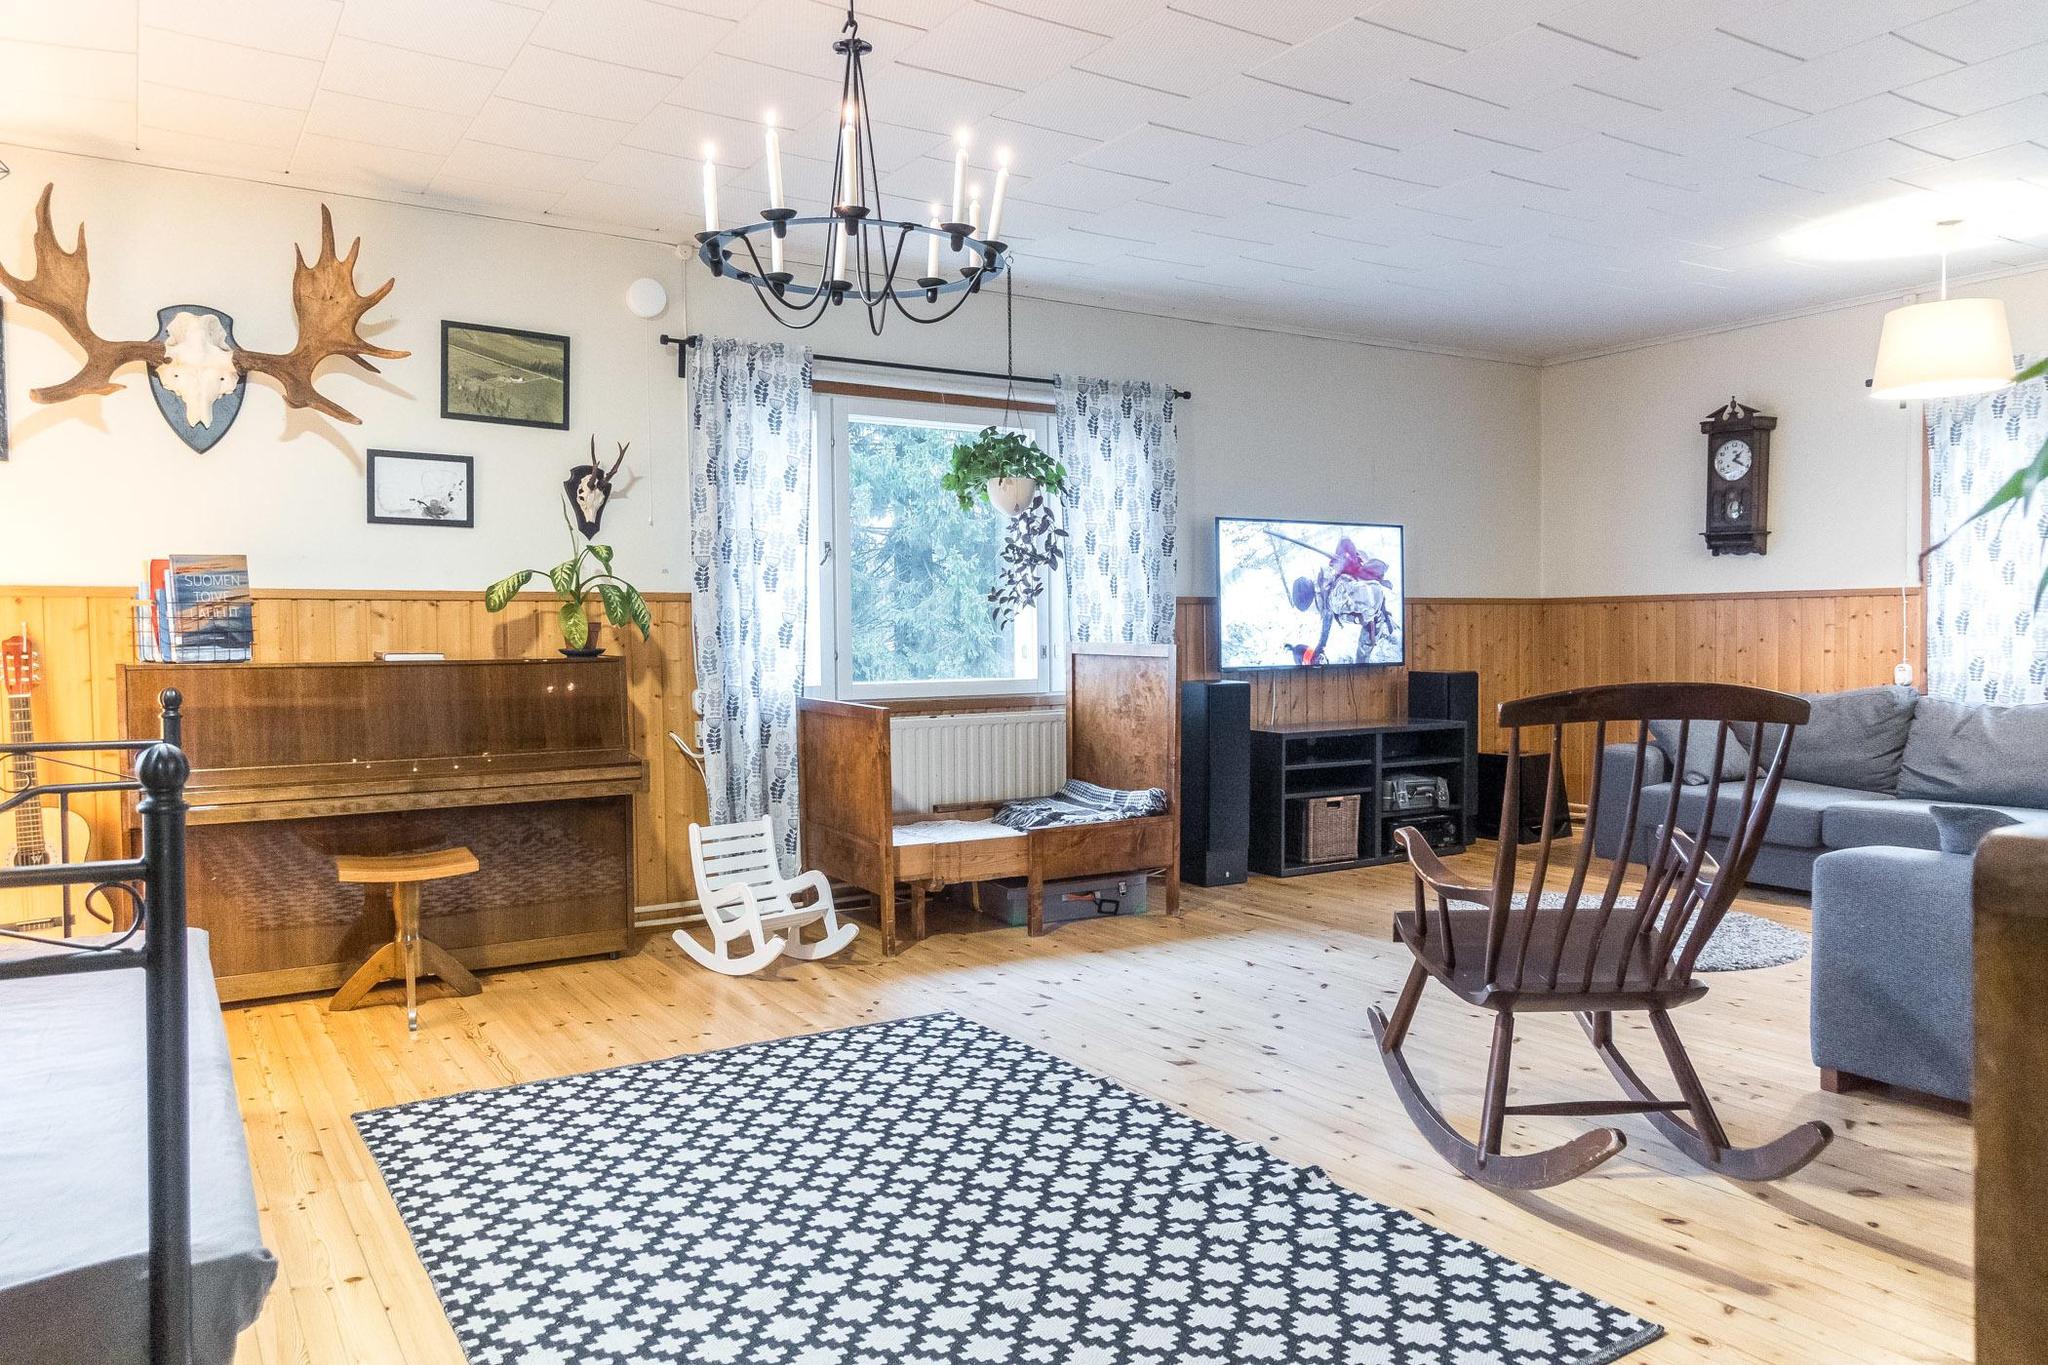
751	437
1117	440
1985	642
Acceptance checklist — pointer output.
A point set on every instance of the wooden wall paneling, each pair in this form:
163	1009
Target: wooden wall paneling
85	633
1793	641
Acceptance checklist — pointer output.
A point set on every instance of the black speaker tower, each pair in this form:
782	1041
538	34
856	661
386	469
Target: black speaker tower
1215	782
1451	696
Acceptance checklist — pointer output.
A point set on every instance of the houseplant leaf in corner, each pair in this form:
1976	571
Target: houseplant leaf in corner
575	625
500	594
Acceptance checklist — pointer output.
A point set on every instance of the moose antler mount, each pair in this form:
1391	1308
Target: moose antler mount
196	369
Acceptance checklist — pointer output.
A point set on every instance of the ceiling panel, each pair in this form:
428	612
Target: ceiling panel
583	85
1517	177
1181	53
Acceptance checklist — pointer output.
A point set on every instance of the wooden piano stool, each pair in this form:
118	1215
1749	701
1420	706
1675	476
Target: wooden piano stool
408	956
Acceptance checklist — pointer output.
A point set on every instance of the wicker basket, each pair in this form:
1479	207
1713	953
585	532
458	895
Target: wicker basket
1329	832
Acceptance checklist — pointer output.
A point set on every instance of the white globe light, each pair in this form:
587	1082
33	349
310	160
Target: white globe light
646	298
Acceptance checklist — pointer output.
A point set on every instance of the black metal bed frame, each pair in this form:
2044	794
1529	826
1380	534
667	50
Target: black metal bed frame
161	769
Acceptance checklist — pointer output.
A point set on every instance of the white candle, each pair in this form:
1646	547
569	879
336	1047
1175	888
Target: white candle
849	161
774	164
931	243
973	218
774	253
959	170
995	210
710	188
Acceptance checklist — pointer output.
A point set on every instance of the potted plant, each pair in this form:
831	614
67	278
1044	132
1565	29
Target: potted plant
574	579
1005	469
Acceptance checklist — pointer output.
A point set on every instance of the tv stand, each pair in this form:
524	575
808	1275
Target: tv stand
1292	764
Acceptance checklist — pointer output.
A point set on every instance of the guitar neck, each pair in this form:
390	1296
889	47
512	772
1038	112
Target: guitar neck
28	816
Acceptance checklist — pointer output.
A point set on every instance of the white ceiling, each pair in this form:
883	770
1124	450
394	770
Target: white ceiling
1527	178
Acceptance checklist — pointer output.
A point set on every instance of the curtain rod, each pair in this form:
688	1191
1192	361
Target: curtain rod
683	345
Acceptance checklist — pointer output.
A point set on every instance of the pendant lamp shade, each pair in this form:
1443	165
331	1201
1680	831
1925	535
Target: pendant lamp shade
1943	350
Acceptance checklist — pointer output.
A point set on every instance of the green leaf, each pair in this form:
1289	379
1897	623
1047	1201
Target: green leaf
2019	488
564	577
997	454
624	606
499	595
575	625
603	553
2033	371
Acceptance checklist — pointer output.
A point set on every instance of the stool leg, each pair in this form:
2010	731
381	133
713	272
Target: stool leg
405	906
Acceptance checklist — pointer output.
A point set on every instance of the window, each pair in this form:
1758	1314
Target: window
899	602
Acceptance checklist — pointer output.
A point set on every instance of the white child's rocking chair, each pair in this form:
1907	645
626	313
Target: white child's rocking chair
746	898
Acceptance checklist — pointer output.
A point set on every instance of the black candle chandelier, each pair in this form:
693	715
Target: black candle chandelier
864	249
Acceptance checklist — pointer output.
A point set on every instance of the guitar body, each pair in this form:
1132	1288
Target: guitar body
41	909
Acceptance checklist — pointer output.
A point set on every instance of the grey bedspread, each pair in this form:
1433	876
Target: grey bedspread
74	1216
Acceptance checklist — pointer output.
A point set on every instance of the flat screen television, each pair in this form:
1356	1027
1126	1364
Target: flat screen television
1309	594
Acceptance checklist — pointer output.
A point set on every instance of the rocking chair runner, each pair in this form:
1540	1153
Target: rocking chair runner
746	899
1595	954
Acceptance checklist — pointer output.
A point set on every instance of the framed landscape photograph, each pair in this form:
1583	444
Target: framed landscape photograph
411	489
504	375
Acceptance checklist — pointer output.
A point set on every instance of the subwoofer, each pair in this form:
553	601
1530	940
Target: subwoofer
1215	782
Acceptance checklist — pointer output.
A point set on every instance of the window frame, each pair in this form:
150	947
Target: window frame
832	600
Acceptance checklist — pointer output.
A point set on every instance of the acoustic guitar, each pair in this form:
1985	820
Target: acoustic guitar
32	833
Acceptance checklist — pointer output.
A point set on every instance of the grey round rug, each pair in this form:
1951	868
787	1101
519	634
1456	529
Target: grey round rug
1743	942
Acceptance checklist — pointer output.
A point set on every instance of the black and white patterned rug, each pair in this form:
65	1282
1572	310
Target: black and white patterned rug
926	1192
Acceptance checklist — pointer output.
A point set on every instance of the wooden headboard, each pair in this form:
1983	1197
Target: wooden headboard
844	790
1123	716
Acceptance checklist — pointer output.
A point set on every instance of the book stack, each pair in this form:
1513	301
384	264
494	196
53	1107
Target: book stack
195	609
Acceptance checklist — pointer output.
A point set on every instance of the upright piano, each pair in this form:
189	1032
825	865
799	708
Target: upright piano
527	762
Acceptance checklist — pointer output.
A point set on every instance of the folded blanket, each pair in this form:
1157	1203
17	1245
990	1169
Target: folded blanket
1081	803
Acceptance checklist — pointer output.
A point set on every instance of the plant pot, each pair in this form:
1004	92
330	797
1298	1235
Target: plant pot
1011	496
587	652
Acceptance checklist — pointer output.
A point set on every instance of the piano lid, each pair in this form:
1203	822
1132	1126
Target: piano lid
298	738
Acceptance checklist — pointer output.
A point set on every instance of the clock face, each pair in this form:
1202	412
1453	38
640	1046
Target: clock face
1732	459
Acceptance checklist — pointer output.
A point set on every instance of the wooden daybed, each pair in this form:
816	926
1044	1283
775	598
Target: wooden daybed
1123	730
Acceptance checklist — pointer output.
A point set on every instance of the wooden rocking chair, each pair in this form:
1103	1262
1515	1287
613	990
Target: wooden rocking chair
1593	955
746	899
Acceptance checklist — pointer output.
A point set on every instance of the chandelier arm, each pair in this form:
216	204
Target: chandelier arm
783	312
759	281
959	302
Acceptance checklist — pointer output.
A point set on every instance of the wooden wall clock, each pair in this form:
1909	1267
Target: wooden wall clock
1738	479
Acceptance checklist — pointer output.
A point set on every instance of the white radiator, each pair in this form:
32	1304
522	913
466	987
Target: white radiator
976	757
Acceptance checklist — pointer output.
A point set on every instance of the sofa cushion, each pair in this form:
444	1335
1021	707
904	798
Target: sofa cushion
1696	769
1795	822
1904	822
1985	755
1852	739
1962	828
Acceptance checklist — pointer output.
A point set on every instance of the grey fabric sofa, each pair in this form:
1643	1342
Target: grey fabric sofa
1891	969
1861	774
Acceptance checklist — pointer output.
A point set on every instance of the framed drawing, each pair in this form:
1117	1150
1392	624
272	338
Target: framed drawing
411	489
503	375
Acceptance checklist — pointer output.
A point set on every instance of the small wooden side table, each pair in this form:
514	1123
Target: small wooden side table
407	956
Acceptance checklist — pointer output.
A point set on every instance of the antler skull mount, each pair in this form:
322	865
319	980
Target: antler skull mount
196	368
589	487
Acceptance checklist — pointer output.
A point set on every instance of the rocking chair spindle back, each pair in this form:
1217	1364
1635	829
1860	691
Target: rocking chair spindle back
1530	950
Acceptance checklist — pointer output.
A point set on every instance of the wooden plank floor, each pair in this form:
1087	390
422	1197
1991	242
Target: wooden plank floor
1249	1014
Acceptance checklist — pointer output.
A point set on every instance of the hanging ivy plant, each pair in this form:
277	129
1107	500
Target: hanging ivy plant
998	454
1032	547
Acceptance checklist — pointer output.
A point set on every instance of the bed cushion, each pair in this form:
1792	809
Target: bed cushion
74	1243
1795	820
1696	766
1851	739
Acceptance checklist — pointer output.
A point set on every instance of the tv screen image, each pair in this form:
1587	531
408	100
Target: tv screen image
1309	594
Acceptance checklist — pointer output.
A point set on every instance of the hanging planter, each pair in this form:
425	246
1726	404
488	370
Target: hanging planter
1007	471
1004	469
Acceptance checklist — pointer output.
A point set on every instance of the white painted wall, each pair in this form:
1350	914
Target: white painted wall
97	486
1624	464
1280	425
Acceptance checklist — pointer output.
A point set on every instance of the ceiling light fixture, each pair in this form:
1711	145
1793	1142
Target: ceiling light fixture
861	247
1944	349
